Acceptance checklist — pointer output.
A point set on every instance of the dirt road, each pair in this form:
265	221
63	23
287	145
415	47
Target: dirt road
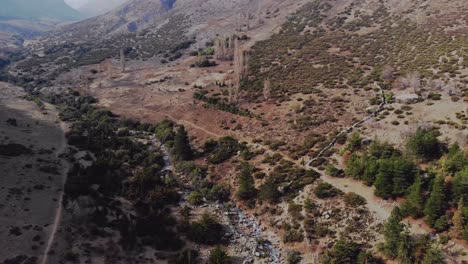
58	213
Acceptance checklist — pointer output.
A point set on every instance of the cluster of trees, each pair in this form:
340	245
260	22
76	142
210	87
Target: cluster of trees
345	251
284	182
122	167
126	167
400	245
204	63
386	168
438	194
221	150
219	104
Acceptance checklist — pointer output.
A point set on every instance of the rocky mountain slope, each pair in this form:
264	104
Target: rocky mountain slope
143	29
266	126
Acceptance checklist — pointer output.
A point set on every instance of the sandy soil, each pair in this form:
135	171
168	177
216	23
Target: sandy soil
31	183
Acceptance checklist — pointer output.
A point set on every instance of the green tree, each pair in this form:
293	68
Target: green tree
355	142
206	231
405	248
460	185
164	130
456	159
222	150
433	256
441	224
414	204
219	256
382	150
394	176
392	233
424	144
436	203
354	166
384	180
269	191
246	189
371	168
182	149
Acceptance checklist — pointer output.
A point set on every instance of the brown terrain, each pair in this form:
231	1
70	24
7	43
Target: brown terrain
152	91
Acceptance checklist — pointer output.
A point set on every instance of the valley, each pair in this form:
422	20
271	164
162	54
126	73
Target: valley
268	131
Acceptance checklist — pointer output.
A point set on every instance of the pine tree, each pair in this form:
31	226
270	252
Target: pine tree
457	229
392	233
354	167
405	248
246	189
269	191
371	167
433	256
424	144
384	180
182	149
404	171
456	159
436	203
460	185
414	203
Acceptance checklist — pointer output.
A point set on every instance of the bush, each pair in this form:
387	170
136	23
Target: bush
269	191
219	256
195	198
207	230
204	64
326	190
223	150
354	142
342	252
333	171
353	199
294	257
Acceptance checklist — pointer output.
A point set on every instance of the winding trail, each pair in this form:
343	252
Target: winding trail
379	206
193	125
353	126
58	212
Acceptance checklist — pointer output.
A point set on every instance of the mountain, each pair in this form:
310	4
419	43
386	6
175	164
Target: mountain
99	7
55	10
144	28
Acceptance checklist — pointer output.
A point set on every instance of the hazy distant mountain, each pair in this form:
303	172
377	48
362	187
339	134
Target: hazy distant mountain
55	10
98	7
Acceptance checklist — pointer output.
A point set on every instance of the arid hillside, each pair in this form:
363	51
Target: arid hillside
306	131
